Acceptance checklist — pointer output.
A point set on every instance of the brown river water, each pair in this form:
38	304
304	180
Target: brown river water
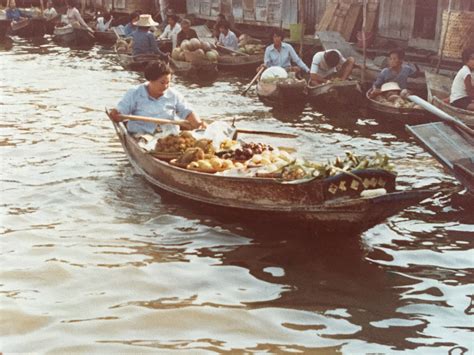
93	260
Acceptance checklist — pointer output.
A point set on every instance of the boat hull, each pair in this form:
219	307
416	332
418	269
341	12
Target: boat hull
407	115
313	202
77	37
197	70
343	92
107	37
31	28
239	64
273	94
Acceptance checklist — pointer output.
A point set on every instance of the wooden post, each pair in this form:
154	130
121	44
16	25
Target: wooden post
443	40
42	7
301	15
364	42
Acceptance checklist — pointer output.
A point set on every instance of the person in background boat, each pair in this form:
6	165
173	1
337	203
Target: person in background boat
172	29
282	54
73	16
103	22
462	90
397	71
144	41
220	19
227	38
155	99
186	32
50	12
330	64
130	27
13	13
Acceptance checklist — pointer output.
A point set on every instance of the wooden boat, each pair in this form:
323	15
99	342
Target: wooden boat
51	24
4	27
239	63
282	92
439	88
137	62
197	69
108	37
71	36
28	28
315	202
403	113
453	148
343	91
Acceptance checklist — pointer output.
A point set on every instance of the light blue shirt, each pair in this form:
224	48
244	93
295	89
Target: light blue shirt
171	105
283	57
388	75
230	41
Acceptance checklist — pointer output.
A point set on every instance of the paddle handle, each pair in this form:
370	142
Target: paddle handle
154	120
267	133
231	50
253	80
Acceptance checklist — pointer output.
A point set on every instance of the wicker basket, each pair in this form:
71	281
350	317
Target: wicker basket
461	23
58	31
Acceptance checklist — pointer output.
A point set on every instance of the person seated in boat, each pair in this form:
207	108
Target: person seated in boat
186	32
156	99
220	19
172	29
462	90
227	38
73	16
130	27
396	71
330	64
50	12
281	54
144	41
13	13
103	22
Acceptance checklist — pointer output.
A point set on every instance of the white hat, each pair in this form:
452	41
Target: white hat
145	21
390	86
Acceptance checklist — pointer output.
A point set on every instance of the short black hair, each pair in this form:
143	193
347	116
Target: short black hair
222	16
174	17
466	54
71	3
223	24
332	58
156	69
277	32
134	15
399	52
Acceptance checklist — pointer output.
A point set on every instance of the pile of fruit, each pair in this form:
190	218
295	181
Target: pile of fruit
246	151
396	101
194	49
249	45
124	45
175	143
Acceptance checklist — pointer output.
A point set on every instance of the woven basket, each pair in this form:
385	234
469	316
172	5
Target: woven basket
63	30
461	23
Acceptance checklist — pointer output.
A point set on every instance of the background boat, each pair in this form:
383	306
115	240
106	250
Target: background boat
239	63
203	70
32	27
282	92
405	114
343	91
71	36
439	88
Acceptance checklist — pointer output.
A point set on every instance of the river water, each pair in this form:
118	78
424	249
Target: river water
93	260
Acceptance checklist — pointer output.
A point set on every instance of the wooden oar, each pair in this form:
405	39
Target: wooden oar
186	124
253	80
231	50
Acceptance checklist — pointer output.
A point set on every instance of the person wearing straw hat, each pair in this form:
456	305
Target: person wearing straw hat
156	99
144	41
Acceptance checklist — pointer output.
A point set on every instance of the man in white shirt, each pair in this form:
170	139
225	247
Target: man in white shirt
330	63
462	90
172	29
227	38
50	12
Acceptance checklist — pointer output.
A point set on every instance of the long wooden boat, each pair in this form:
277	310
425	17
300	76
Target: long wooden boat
4	27
51	24
439	88
108	37
71	36
453	148
282	92
199	70
334	200
137	62
402	113
239	63
28	28
344	92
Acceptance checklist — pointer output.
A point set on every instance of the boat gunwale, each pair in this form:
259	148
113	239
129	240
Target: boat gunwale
400	111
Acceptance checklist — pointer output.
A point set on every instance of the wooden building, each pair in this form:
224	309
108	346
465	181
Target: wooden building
123	6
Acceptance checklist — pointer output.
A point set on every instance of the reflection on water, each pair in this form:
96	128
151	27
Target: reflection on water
95	260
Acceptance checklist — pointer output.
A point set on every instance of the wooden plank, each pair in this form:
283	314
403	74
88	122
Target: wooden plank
350	21
327	17
372	17
444	142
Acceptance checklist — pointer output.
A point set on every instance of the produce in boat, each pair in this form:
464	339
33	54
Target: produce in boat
175	143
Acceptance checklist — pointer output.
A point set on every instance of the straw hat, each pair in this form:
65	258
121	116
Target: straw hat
390	86
145	21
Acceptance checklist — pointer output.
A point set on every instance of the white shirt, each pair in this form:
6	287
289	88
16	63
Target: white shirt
102	26
458	89
50	13
171	33
319	65
230	41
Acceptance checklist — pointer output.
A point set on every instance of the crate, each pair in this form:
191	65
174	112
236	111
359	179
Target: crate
459	34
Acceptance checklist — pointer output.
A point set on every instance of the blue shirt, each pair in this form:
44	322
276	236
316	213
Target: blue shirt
230	41
128	29
171	105
144	42
283	57
388	75
13	14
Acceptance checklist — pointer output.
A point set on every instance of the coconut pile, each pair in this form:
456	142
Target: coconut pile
249	45
194	49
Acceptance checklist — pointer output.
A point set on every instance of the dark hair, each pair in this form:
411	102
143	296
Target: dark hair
277	32
134	15
399	52
156	69
466	54
221	16
107	16
71	3
332	58
174	17
223	24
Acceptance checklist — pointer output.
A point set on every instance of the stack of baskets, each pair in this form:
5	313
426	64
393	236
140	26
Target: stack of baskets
459	33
